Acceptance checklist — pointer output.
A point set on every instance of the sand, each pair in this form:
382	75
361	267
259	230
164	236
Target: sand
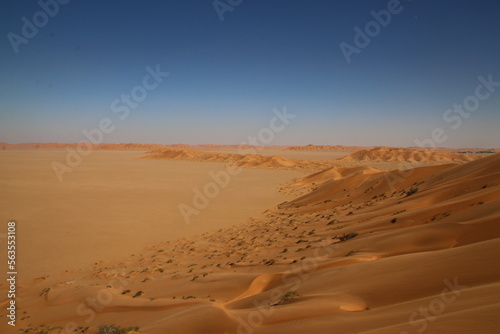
349	249
115	204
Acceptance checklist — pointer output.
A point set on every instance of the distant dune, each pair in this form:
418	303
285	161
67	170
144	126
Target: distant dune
233	160
266	161
134	146
388	154
105	147
217	147
340	148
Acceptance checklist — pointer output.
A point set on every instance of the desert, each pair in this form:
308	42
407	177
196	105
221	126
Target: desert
249	167
279	249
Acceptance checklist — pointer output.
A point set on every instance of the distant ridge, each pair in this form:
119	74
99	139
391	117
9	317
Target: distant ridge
217	147
238	160
325	148
389	154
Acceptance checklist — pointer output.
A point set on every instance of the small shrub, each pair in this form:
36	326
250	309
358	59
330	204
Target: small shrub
45	291
350	253
413	190
270	262
137	294
348	236
332	222
289	295
112	329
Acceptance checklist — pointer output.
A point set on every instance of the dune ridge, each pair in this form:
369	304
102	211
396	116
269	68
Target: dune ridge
335	148
234	160
131	146
389	154
360	253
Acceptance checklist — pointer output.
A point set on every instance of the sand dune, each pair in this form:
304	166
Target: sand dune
337	148
234	160
367	251
264	161
183	154
388	154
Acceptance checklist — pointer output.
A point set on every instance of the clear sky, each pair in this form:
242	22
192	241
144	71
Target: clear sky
226	76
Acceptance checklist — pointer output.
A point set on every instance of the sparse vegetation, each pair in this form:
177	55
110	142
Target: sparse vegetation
46	329
347	236
270	262
350	253
333	222
45	291
289	295
42	329
137	294
112	329
411	191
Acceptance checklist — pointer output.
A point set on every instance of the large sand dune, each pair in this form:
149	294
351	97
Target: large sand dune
365	251
390	154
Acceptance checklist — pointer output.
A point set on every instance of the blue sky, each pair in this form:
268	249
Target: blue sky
225	77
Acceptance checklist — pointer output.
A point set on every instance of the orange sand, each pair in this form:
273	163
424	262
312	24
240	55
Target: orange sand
357	250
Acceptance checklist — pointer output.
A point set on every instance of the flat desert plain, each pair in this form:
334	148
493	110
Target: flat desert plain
114	204
372	240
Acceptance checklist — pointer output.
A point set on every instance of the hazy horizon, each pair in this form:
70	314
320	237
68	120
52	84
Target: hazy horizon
263	145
